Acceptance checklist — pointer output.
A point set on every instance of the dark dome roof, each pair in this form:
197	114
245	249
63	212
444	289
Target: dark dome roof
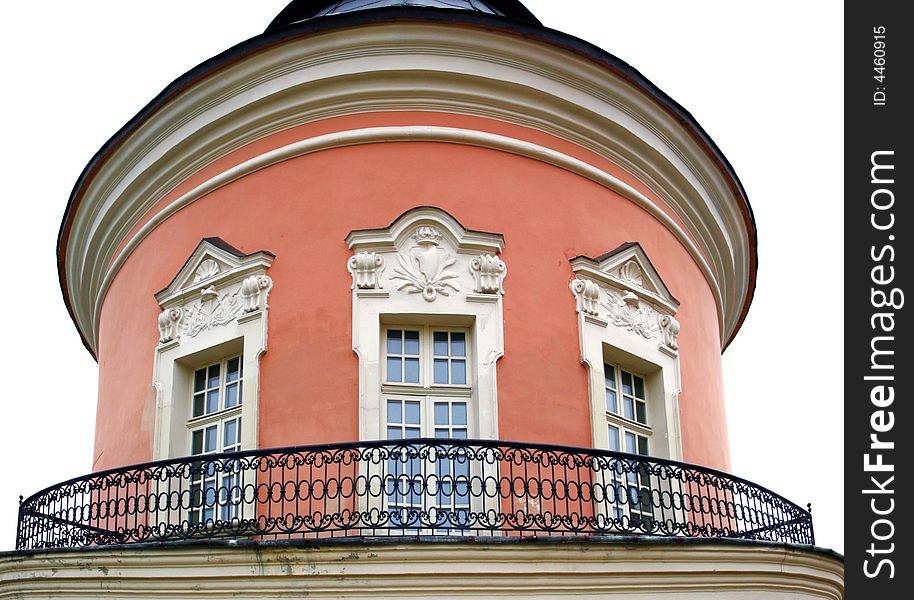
303	10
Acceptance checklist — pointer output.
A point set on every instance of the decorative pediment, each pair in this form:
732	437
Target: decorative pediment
217	285
628	268
427	253
623	288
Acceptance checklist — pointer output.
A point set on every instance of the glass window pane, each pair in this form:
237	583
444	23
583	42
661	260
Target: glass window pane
613	438
212	401
393	433
231	395
459	434
630	443
413	433
442	416
199	406
629	406
412	413
394	341
395	370
441	374
411	370
230	433
196	446
411	344
200	380
210	439
642	445
458	344
459	413
610	375
626	382
232	369
639	387
441	343
442	433
213	376
612	403
459	372
641	412
394	411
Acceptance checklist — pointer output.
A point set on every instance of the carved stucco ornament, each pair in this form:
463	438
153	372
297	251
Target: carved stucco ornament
169	321
587	296
217	285
669	328
626	310
366	269
210	311
623	288
632	273
254	293
208	269
424	268
489	272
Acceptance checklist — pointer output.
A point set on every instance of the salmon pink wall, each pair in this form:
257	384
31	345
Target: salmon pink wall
302	209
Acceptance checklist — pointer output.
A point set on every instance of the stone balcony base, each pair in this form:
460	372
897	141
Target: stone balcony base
431	568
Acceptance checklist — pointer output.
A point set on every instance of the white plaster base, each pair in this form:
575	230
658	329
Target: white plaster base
441	570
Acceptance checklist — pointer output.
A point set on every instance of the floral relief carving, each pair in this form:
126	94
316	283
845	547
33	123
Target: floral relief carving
489	272
626	310
424	268
366	268
210	312
217	285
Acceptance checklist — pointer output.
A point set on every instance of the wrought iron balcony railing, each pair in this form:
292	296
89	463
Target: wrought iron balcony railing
406	488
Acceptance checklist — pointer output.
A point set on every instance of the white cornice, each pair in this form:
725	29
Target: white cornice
418	67
675	569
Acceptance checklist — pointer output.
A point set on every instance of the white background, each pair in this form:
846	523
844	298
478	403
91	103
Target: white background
764	79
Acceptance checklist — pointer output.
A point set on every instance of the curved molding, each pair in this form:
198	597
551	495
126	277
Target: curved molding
376	135
677	569
409	67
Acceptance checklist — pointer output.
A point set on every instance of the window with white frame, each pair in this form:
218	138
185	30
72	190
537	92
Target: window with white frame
212	335
214	428
628	431
426	356
427	392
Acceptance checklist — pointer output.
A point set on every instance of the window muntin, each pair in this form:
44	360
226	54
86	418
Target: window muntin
449	352
626	411
628	431
215	427
403	351
431	399
404	419
450	419
426	357
628	386
217	387
408	475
